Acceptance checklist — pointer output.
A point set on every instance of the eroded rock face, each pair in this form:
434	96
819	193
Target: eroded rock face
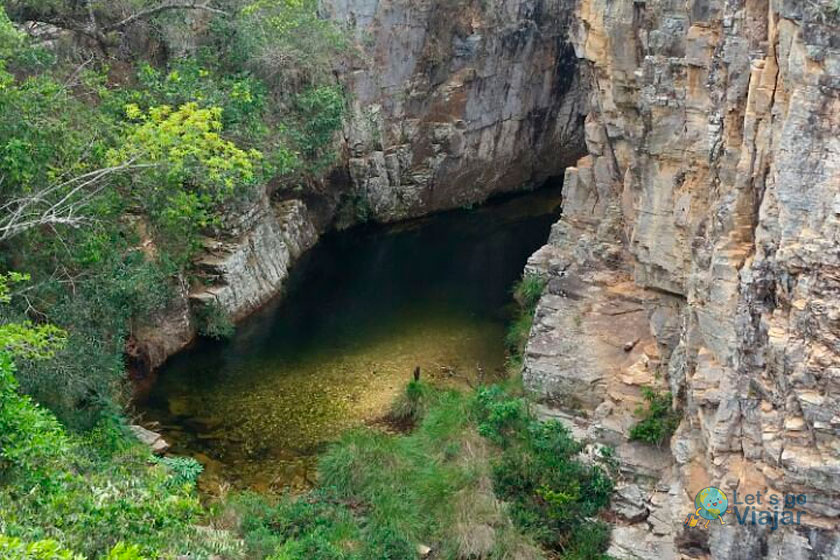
454	101
712	182
246	266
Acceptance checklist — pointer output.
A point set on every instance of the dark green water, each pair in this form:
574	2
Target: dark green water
362	310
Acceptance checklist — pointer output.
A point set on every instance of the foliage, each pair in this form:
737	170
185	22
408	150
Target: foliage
319	111
658	420
114	287
213	321
380	495
527	293
65	487
413	403
25	339
553	494
500	419
15	549
112	166
192	170
285	43
185	470
122	551
92	172
246	115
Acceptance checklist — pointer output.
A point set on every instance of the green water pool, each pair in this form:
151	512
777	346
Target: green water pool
361	310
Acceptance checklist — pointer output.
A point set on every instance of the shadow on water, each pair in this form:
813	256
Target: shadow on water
361	310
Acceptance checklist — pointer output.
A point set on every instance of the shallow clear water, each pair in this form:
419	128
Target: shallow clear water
362	310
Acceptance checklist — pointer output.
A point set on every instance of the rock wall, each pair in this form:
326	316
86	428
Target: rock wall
700	252
243	266
246	266
455	101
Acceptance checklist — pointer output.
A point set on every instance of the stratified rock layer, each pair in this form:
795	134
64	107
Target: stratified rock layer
712	183
454	101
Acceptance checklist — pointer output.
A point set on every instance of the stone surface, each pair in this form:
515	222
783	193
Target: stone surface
243	266
454	101
712	180
247	265
154	440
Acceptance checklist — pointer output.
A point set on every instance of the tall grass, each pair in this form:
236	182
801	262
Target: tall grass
479	477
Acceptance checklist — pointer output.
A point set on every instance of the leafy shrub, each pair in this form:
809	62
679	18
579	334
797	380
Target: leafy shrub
122	551
119	287
185	470
552	494
500	419
658	420
319	114
64	487
213	321
283	42
15	549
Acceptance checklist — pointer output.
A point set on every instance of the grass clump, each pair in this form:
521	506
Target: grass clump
527	293
658	421
479	477
413	403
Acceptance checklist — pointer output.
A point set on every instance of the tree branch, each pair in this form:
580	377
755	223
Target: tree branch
73	195
158	9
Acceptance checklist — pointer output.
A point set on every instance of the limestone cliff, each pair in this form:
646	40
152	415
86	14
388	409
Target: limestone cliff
454	101
700	251
451	102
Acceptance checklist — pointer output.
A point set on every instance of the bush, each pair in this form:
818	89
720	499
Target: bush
213	321
185	470
658	421
319	113
552	494
87	493
15	549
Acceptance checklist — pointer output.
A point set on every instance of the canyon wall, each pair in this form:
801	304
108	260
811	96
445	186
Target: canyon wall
454	101
449	103
699	252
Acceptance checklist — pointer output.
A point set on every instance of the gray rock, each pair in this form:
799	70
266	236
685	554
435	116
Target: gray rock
154	440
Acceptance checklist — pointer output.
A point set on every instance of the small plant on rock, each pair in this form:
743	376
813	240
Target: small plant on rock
214	322
527	293
658	421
